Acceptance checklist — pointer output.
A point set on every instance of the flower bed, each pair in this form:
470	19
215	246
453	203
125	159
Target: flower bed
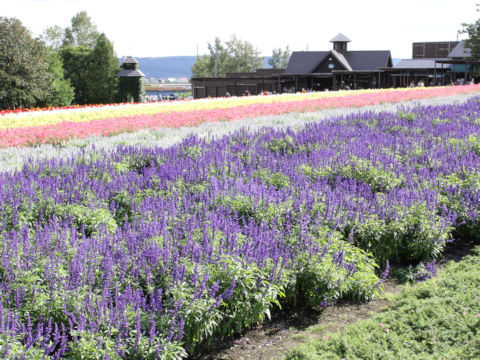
147	252
54	127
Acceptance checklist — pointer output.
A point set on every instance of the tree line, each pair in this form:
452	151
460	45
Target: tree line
69	65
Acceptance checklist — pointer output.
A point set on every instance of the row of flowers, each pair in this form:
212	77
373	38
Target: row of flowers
97	112
55	127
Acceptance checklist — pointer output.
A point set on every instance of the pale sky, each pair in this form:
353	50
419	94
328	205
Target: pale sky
153	28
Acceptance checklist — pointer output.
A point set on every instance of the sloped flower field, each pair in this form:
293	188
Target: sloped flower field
145	253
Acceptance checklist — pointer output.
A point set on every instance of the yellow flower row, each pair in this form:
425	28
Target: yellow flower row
40	118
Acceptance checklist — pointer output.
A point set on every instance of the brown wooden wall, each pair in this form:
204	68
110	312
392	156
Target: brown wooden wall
430	50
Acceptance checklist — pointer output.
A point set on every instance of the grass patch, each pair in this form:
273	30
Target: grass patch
435	319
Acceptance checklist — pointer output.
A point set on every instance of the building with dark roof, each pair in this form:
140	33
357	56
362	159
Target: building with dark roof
434	63
315	70
340	68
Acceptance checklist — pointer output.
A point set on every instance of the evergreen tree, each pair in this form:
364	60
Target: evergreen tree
24	79
76	65
101	80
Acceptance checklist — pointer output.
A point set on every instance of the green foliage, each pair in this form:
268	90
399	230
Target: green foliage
95	347
87	219
131	89
364	170
436	319
417	235
17	349
82	32
409	117
234	55
89	62
101	80
282	146
276	180
340	271
53	37
76	62
62	93
24	76
473	41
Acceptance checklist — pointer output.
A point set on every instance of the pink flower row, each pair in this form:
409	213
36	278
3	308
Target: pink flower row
66	130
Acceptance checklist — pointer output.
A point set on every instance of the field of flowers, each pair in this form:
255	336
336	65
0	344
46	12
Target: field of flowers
132	252
40	127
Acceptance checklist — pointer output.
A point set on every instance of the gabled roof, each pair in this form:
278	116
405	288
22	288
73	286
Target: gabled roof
368	60
340	38
419	64
342	60
460	51
304	62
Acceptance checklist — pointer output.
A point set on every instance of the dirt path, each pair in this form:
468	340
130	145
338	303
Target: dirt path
287	329
271	339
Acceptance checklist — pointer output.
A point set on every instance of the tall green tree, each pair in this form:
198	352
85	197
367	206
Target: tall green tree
101	80
82	32
24	79
280	58
234	55
76	63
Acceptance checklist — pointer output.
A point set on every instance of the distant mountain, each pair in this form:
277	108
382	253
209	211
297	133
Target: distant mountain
170	66
167	67
178	66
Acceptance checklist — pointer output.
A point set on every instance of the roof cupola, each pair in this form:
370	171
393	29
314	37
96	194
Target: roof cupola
340	42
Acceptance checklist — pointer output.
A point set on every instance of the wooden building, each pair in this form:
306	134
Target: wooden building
340	68
433	50
455	66
314	70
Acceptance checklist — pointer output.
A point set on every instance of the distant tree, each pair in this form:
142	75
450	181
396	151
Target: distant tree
101	80
279	59
53	37
82	32
242	56
233	56
203	67
76	65
473	41
24	79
